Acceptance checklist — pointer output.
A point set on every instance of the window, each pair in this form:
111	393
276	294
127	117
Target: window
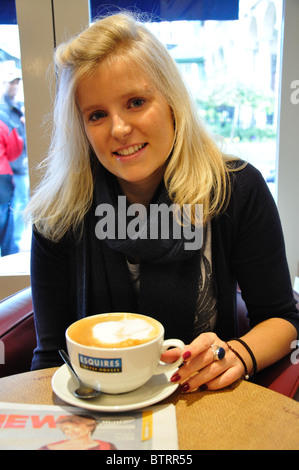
14	177
232	71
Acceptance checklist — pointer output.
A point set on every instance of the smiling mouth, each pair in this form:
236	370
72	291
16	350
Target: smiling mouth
127	152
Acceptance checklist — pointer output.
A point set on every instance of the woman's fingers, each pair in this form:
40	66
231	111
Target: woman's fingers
171	355
222	380
200	370
203	369
199	345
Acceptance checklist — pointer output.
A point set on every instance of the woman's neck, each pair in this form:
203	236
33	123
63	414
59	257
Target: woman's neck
142	192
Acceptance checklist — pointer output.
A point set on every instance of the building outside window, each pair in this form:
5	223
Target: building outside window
232	69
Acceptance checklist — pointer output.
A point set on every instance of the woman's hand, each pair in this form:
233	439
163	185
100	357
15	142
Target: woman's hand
200	370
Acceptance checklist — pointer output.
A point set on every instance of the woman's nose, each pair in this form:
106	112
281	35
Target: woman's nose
120	127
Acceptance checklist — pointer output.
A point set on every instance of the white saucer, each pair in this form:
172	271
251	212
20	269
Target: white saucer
155	390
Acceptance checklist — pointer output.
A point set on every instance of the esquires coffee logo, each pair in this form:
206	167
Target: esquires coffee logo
100	365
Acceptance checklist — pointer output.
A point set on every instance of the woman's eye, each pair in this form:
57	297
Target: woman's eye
97	115
136	103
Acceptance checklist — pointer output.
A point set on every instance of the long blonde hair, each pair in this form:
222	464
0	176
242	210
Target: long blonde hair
197	170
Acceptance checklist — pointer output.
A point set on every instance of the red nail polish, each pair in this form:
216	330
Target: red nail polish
176	377
185	388
186	355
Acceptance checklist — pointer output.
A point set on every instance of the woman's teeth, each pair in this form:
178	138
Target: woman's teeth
130	150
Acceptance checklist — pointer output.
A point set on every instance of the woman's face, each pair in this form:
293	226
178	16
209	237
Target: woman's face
75	430
127	121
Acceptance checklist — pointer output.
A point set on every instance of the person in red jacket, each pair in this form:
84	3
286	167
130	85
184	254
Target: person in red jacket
11	146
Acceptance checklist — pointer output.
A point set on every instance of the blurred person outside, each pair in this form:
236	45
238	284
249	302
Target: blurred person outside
11	146
12	114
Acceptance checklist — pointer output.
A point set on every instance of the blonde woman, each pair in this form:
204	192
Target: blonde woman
126	145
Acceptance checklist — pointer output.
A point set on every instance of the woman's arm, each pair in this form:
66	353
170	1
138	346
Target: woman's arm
50	282
269	341
258	262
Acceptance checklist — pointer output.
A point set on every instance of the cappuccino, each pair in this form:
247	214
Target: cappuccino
118	352
114	330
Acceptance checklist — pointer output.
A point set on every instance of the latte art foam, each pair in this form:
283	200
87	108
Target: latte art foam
117	331
114	330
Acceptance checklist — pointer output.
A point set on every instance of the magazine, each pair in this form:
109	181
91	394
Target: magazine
39	427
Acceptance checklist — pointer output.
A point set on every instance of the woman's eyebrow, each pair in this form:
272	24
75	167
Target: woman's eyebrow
135	92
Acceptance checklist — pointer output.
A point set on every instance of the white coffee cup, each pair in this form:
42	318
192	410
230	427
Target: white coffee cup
118	352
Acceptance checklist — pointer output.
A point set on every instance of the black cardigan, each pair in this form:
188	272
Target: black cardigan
247	248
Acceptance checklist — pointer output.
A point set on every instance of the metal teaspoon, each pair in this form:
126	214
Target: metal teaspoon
82	391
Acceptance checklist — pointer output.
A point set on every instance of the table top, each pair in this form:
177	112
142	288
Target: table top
243	416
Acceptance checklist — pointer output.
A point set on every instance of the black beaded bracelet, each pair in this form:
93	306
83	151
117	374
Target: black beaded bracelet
250	353
246	377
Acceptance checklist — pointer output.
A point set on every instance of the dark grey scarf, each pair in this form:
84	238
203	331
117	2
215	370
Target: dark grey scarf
169	274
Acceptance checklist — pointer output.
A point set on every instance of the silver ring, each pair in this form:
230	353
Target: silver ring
218	352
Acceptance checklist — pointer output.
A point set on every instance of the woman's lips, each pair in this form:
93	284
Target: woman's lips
129	151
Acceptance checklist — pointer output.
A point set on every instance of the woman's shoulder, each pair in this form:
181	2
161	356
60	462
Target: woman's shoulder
242	169
249	192
245	178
